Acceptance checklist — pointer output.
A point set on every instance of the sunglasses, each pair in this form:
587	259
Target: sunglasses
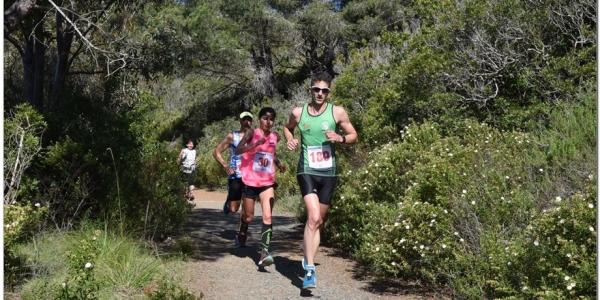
317	89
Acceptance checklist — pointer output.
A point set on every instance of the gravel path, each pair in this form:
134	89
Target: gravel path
220	270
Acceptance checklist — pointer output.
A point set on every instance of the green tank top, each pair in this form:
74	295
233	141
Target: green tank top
318	155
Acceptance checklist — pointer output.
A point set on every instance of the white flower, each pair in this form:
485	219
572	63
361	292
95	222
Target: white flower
365	188
402	241
524	288
421	246
88	265
558	199
507	177
591	205
464	191
541	170
501	198
591	228
450	154
37	205
394	251
473	202
444	246
509	263
393	263
342	197
367	171
536	243
568	254
456	233
462	240
63	284
407	227
445	211
569	287
396	224
567	278
562	221
377	249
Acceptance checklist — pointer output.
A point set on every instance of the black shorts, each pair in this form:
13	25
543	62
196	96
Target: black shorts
322	186
252	192
189	177
234	193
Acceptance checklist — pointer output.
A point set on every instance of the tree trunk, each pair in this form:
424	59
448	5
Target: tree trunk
64	40
39	61
33	62
28	68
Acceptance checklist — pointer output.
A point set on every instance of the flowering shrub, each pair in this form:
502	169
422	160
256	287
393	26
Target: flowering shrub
438	206
556	255
20	223
80	282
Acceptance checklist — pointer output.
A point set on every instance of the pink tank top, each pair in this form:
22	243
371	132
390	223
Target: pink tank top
258	168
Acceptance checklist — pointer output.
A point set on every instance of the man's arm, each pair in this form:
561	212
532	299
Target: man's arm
223	145
343	120
288	129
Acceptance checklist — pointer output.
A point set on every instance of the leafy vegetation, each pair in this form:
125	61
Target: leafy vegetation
476	161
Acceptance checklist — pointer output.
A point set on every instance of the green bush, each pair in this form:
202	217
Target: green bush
96	264
152	194
425	207
555	257
21	222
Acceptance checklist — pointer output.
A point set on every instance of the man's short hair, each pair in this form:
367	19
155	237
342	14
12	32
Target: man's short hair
320	76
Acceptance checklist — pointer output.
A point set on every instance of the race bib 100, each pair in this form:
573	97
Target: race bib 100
319	157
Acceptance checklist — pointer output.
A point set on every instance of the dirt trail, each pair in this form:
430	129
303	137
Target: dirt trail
220	270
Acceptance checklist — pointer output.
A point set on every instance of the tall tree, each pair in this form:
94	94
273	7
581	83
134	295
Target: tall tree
78	27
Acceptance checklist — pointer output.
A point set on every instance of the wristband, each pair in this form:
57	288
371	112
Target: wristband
343	139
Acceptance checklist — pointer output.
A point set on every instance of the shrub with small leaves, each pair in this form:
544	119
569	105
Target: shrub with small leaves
433	205
80	282
555	257
20	223
168	290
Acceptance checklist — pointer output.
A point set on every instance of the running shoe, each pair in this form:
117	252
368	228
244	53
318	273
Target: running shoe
265	259
309	278
226	208
240	239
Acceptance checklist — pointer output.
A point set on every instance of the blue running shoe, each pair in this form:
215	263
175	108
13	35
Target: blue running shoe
309	278
226	208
